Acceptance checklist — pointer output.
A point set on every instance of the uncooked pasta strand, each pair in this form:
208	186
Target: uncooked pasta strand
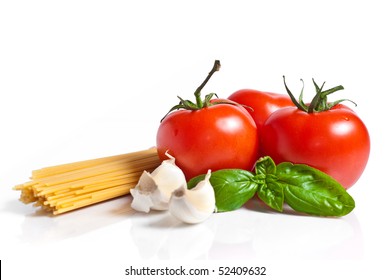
66	187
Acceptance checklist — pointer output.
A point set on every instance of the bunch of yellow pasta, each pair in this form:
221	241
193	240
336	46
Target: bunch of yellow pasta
66	187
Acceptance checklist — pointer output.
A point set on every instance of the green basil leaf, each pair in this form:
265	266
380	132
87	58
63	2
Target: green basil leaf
270	191
311	191
233	188
265	166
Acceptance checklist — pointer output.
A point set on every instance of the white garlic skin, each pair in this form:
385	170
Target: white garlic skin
154	189
195	205
168	177
147	196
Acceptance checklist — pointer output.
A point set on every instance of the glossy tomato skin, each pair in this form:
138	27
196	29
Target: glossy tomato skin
335	141
216	137
263	103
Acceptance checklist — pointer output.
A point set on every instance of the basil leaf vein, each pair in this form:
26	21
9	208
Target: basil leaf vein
313	192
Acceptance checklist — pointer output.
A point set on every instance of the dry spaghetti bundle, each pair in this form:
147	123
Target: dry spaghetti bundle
66	187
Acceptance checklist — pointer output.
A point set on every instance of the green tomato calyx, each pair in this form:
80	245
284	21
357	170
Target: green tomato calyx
201	103
319	102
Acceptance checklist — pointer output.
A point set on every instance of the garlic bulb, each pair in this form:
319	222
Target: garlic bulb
154	190
195	205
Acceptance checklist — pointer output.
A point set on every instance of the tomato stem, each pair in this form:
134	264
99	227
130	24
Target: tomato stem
199	101
200	104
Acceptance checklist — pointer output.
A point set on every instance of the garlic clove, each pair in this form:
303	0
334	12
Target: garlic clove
195	205
147	196
168	176
141	202
154	190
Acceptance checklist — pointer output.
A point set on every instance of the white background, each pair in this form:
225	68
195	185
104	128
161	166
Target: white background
85	79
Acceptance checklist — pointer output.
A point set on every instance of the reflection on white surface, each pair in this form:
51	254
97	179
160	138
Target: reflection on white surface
307	237
39	227
253	232
162	236
249	233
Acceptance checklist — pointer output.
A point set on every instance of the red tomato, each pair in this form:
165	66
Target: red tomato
262	103
216	137
335	141
208	134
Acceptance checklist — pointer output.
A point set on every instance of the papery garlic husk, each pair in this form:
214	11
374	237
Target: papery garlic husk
154	189
195	205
